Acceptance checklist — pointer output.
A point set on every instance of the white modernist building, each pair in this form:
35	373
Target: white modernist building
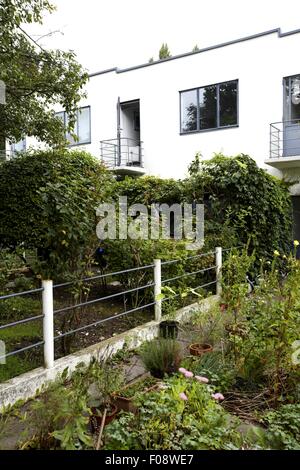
241	96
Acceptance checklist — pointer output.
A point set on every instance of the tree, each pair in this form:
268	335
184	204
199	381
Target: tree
35	78
48	202
164	52
195	48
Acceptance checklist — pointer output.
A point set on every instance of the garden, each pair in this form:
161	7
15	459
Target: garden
226	377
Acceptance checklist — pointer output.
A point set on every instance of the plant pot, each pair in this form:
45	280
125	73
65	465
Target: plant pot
168	329
198	349
127	404
223	307
96	417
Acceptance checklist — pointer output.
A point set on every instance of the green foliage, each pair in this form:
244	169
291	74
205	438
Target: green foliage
17	308
239	194
207	326
164	52
215	366
16	365
131	390
21	332
283	431
161	356
56	214
150	190
166	422
126	254
105	380
265	326
35	78
60	416
235	270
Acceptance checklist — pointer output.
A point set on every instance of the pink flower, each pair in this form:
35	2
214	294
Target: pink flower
218	396
204	380
182	370
188	374
183	396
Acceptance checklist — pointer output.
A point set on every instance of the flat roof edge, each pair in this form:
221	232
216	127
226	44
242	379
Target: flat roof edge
205	49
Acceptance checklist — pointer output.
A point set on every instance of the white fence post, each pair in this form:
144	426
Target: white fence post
48	327
157	288
219	269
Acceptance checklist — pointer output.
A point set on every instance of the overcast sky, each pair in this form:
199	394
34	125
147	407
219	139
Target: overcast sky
110	33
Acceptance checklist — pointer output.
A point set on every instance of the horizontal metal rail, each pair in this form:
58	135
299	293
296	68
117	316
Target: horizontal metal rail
17	351
188	274
17	294
89	302
104	320
21	322
194	288
99	276
200	255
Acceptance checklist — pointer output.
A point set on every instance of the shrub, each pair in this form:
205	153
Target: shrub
126	254
283	431
48	202
59	417
166	421
161	356
265	327
215	366
239	194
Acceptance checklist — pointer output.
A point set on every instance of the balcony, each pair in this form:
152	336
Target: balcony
123	156
284	144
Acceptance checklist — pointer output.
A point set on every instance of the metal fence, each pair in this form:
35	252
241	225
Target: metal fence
157	282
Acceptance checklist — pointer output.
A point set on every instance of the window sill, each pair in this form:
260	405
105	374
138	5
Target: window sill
209	130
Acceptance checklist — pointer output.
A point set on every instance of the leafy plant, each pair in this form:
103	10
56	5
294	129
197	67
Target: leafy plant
36	79
215	366
166	421
59	418
161	356
104	380
138	386
283	432
268	325
57	215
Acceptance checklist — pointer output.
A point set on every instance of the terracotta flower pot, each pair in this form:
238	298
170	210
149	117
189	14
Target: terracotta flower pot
198	349
126	404
96	417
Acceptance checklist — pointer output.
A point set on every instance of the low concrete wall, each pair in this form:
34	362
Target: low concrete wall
27	385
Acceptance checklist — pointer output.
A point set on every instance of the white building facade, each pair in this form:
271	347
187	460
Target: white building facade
237	97
220	99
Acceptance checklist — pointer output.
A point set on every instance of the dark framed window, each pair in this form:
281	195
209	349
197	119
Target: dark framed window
82	128
209	107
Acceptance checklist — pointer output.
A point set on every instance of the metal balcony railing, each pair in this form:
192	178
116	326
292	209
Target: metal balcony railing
285	139
122	152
